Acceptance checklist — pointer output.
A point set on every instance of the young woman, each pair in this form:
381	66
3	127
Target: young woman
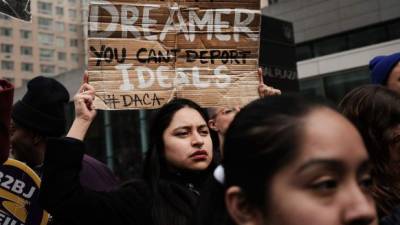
375	111
177	164
292	161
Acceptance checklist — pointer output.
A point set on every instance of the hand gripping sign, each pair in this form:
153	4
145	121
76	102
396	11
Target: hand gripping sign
144	53
20	9
19	195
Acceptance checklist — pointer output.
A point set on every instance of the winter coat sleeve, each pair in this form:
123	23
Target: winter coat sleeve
62	195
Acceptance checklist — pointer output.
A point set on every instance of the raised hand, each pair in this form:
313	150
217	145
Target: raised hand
85	111
265	90
83	100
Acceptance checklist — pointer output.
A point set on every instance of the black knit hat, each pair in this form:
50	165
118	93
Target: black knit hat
42	107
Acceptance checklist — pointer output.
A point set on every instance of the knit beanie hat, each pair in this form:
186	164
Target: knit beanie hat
382	66
6	100
42	107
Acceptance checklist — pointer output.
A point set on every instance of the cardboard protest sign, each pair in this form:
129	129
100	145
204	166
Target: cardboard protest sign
19	195
142	54
20	9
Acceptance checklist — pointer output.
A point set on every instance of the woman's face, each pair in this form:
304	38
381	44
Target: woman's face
187	141
327	183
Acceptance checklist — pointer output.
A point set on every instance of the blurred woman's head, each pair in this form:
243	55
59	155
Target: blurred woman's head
375	111
291	161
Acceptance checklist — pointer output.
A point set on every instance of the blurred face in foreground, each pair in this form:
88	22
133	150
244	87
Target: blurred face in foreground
328	181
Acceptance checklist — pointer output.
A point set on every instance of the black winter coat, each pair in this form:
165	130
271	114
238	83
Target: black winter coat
62	195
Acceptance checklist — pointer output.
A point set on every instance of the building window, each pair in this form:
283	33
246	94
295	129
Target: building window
26	34
360	37
6	48
46	39
45	23
46	54
62	69
72	1
394	30
72	13
60	11
75	57
60	42
5	31
7	65
47	69
366	37
335	85
73	43
62	56
59	27
45	8
271	2
330	45
304	52
73	28
26	50
27	67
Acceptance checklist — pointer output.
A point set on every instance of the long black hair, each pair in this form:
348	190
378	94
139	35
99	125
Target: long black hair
263	137
170	201
375	111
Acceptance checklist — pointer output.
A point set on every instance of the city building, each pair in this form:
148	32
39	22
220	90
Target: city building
335	39
52	43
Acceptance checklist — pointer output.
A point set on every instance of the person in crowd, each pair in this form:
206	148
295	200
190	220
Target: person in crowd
221	117
6	100
39	116
177	163
283	166
385	70
375	111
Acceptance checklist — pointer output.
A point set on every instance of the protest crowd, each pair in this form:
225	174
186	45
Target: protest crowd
280	159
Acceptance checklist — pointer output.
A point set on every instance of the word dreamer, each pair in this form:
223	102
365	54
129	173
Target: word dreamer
136	20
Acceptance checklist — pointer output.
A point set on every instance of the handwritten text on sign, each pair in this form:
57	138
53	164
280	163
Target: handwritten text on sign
143	55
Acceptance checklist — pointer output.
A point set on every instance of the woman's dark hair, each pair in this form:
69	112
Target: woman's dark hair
263	137
375	110
166	206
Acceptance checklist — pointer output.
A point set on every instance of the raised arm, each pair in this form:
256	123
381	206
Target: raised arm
61	192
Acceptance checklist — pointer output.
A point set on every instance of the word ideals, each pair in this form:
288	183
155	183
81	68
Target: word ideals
166	78
138	21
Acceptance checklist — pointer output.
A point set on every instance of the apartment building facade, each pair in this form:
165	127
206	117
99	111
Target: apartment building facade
52	43
335	39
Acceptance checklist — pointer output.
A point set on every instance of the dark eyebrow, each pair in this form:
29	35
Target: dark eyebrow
331	164
190	127
183	127
335	165
203	125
